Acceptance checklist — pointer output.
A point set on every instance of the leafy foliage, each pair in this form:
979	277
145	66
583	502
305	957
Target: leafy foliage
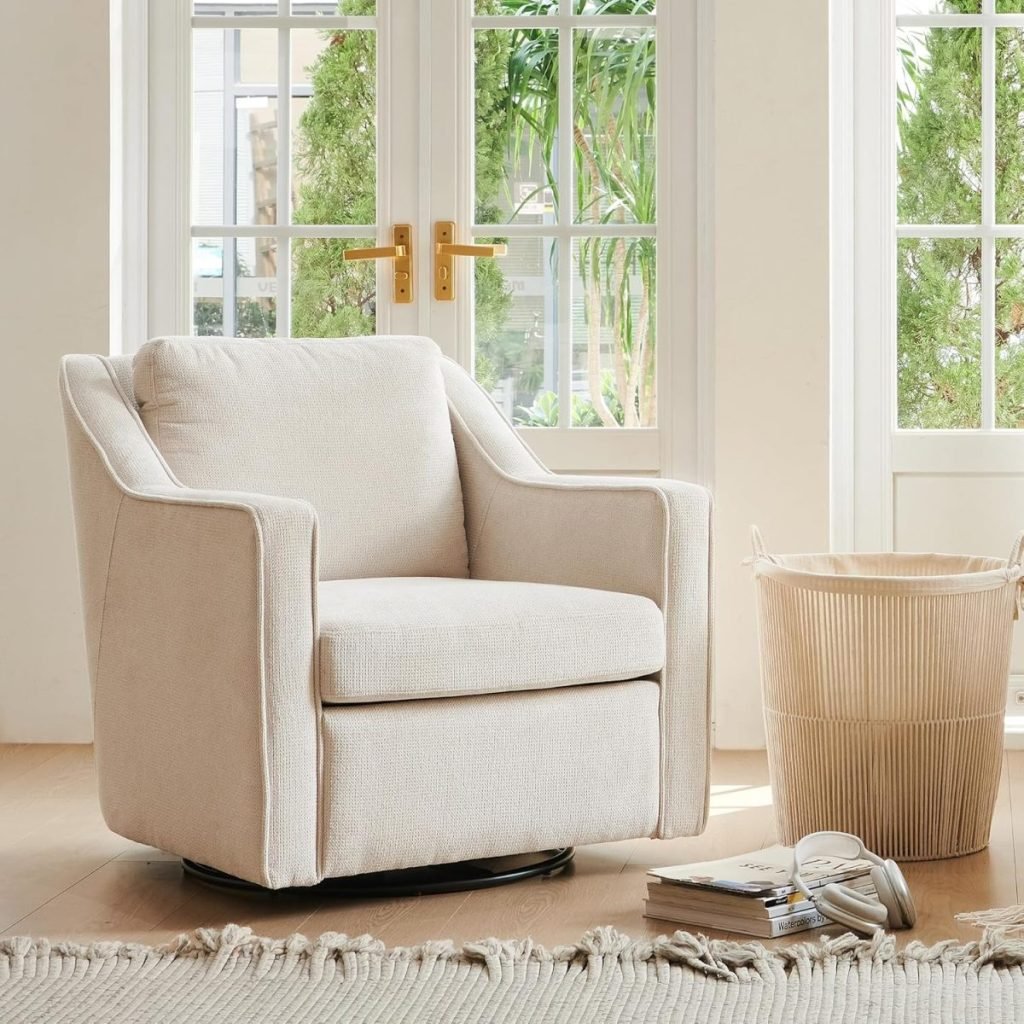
613	149
544	411
336	163
252	319
939	280
516	106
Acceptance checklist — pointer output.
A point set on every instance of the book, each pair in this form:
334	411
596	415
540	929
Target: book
752	893
685	897
762	873
765	928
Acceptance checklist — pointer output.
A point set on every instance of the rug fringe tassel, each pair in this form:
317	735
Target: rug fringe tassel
997	917
713	957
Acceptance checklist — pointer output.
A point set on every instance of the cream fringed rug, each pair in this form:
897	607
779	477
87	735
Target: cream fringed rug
231	976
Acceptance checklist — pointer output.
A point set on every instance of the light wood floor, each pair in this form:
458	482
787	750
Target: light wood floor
64	875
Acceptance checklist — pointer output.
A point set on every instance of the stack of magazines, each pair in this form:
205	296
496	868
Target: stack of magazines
752	894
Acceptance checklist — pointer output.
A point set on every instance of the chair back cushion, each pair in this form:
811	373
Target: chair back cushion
359	428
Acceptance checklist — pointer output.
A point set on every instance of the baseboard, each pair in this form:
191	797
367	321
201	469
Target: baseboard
1013	730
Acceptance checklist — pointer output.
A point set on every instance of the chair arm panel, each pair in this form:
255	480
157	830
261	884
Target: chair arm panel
206	710
649	537
201	616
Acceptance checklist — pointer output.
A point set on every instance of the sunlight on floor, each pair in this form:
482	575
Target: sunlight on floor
732	798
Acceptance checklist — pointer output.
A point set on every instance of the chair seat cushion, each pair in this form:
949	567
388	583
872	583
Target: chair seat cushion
411	637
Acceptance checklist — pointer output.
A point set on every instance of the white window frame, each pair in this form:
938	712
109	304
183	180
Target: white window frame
868	448
156	88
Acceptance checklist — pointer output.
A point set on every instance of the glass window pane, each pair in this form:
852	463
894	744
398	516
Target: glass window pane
613	333
938	7
250	293
231	8
938	115
534	8
1009	6
255	55
1010	333
256	160
234	126
516	82
334	119
614	6
207	127
1009	125
516	332
614	81
938	333
332	298
351	8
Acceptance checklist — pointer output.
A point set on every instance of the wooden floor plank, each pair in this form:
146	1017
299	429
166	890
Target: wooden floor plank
17	759
66	876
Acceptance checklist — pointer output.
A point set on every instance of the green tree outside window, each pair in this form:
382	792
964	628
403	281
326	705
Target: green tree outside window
939	280
517	110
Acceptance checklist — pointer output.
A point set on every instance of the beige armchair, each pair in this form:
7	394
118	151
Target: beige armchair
341	620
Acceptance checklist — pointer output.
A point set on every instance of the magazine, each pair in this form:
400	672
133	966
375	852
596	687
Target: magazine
763	873
684	897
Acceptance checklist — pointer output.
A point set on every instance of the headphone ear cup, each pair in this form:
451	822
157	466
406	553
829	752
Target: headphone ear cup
894	893
850	908
886	896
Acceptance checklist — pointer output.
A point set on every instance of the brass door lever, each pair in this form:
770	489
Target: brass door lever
400	252
456	249
445	251
384	252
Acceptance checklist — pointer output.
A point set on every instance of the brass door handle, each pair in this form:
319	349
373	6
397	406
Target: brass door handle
400	252
455	249
445	251
384	252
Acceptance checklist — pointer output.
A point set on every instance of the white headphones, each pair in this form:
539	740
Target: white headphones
894	907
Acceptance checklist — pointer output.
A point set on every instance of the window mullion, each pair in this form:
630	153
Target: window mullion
284	179
988	203
229	259
566	197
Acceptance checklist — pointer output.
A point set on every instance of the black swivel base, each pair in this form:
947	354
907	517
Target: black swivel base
438	878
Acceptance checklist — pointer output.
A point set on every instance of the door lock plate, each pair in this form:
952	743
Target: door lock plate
444	265
403	264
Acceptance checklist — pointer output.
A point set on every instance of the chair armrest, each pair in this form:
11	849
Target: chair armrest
648	537
205	695
200	610
605	532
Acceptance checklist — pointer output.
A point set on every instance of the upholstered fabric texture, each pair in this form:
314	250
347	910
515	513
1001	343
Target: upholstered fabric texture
358	428
635	536
204	551
435	781
403	638
200	619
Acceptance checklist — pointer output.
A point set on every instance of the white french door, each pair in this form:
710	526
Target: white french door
562	134
929	399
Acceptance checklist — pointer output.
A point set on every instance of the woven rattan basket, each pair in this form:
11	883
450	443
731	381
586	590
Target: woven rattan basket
884	681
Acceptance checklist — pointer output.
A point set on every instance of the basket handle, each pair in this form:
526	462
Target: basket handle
1015	561
760	551
1016	558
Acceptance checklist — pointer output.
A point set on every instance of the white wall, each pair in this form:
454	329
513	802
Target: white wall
54	268
771	316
